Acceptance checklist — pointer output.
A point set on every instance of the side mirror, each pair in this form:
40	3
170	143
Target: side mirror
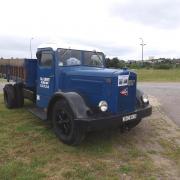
38	55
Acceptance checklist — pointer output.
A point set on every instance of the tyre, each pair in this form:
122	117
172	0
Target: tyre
9	96
19	95
64	124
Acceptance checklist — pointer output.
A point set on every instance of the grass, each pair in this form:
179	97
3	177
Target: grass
30	150
169	146
152	75
126	169
19	170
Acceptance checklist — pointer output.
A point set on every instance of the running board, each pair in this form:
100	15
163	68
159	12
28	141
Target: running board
38	112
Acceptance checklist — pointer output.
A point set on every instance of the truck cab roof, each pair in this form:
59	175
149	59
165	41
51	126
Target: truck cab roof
55	47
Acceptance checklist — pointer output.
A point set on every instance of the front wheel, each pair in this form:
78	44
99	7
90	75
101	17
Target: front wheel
64	124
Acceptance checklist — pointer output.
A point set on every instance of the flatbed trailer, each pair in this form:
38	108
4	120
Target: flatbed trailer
19	70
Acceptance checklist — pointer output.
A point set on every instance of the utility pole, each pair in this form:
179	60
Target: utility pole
142	44
30	47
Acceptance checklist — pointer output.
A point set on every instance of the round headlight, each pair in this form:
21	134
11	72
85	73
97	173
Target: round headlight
103	106
145	99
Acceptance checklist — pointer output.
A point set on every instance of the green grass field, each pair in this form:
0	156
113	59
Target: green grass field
30	150
153	75
171	75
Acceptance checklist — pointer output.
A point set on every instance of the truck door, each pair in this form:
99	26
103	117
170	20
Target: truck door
45	78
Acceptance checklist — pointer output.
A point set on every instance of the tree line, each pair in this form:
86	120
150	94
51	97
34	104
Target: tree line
160	63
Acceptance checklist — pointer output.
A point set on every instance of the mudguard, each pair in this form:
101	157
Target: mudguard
139	95
75	101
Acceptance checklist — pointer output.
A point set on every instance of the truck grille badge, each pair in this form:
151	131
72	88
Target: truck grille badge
124	92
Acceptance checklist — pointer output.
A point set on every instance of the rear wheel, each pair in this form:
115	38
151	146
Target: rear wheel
9	96
19	95
64	124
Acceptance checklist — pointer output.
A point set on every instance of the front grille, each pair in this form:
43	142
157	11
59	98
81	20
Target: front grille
126	102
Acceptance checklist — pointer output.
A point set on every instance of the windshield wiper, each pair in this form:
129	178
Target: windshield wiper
64	53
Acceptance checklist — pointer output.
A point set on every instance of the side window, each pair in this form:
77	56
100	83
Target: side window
46	60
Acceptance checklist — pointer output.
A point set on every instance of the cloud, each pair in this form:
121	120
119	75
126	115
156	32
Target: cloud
163	53
156	13
17	46
10	42
11	46
113	26
109	48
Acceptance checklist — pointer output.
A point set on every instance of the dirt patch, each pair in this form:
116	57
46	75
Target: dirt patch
161	141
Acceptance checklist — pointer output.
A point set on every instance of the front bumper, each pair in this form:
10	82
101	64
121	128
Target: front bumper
97	123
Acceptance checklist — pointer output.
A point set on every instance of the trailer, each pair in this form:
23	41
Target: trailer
74	91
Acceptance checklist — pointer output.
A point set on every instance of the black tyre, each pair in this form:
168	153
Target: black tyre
9	96
19	95
64	124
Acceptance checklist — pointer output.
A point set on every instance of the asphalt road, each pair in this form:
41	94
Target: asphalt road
168	94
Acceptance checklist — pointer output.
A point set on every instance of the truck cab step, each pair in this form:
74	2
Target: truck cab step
38	112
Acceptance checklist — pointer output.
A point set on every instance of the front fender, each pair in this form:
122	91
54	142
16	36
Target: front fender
75	101
139	95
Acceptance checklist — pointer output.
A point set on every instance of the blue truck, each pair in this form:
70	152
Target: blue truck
74	91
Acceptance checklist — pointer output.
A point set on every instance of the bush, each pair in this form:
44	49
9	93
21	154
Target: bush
134	66
162	66
177	65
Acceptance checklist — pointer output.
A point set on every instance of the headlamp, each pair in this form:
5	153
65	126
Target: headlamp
145	99
103	106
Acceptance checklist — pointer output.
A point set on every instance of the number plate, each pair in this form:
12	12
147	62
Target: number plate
130	117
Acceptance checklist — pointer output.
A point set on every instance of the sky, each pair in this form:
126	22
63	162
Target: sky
111	26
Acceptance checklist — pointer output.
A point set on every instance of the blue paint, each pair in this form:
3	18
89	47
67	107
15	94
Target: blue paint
30	66
45	82
92	83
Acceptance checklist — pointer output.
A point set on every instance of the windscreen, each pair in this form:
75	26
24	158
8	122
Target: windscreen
92	58
70	57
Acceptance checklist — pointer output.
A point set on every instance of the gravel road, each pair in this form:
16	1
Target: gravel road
168	95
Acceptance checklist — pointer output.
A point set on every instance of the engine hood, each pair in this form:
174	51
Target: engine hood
92	71
96	84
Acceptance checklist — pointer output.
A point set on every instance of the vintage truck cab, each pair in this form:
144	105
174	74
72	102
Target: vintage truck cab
77	93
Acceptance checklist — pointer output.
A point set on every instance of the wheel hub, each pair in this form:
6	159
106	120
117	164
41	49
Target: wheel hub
64	122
